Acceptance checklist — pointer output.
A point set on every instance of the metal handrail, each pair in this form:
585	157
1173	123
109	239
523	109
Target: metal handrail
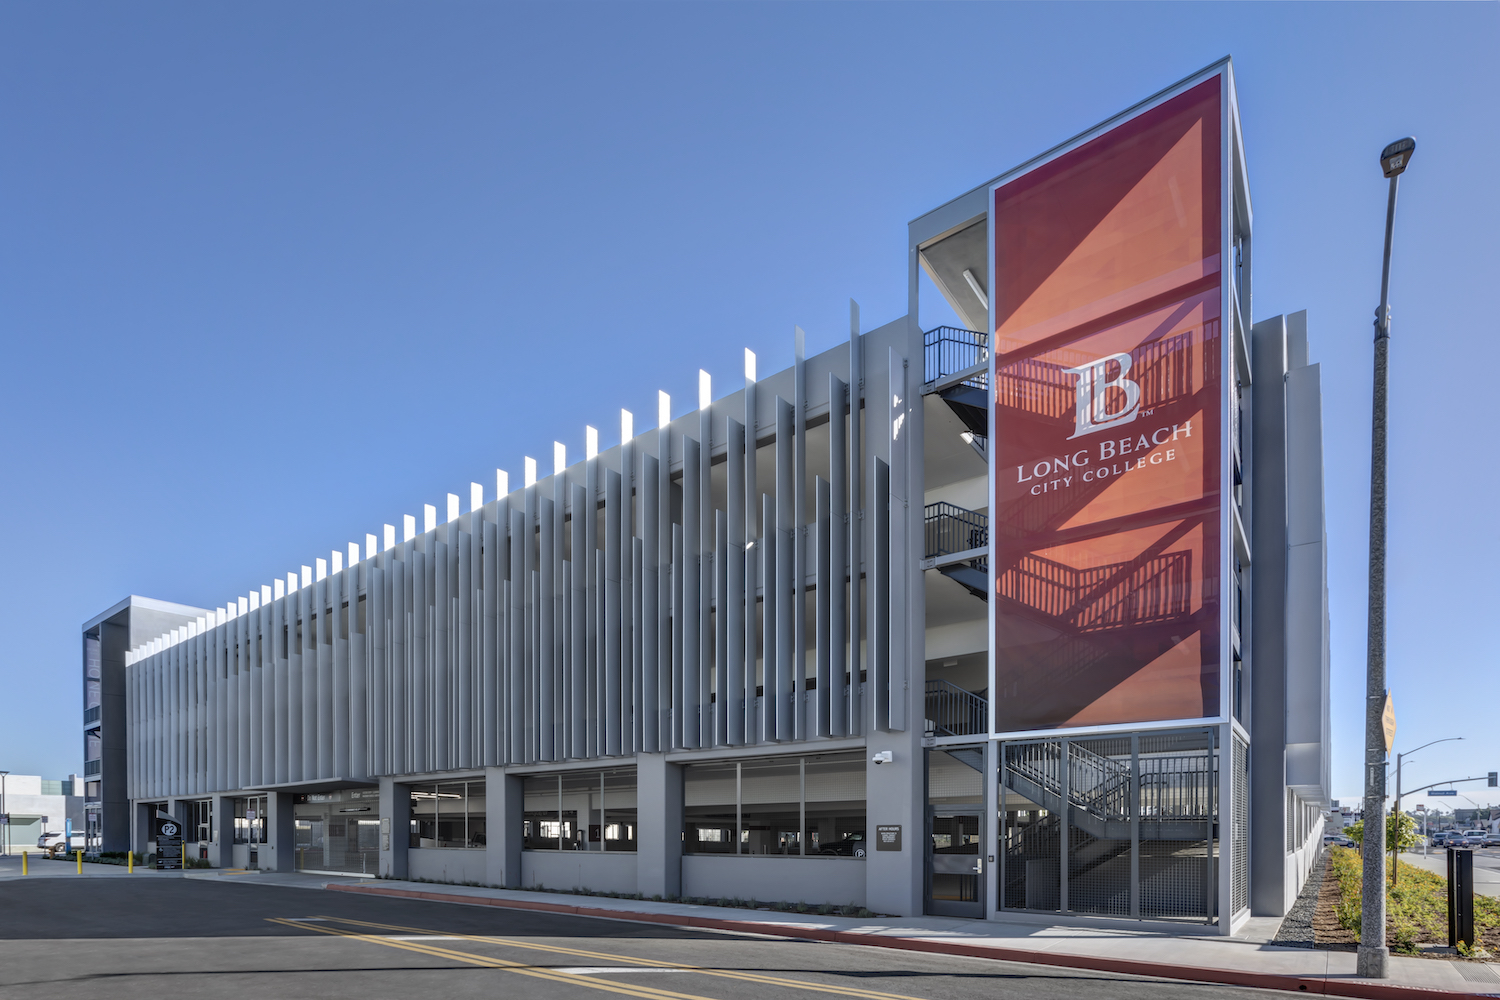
950	528
954	711
950	350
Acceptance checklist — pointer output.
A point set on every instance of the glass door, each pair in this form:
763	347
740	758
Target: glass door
955	867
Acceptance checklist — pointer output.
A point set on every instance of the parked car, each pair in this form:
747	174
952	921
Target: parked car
1337	840
56	842
851	845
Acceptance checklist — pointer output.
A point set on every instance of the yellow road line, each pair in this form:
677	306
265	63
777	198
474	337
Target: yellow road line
753	977
644	992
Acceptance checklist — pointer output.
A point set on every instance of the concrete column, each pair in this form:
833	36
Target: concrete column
279	853
221	844
659	825
895	794
395	828
140	826
503	808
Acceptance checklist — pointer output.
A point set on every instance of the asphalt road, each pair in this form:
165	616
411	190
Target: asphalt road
156	937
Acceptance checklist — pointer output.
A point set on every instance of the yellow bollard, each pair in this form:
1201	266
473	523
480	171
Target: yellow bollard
24	856
80	862
130	862
184	855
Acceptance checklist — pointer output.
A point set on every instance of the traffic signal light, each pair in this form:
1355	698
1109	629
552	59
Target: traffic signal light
1494	778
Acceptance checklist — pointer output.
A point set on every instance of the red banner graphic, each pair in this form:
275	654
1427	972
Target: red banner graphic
1108	406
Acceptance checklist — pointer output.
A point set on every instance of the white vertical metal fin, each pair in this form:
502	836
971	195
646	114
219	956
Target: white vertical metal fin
838	558
338	622
719	735
578	646
783	582
516	661
546	647
630	678
822	627
400	669
754	549
637	645
377	640
651	609
880	593
557	553
769	608
675	727
613	742
295	725
665	592
686	616
461	641
897	529
702	601
856	522
588	563
419	759
799	537
735	605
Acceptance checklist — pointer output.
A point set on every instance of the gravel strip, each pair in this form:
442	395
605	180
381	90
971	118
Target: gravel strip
1297	929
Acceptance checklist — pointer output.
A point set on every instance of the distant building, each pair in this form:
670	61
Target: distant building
35	805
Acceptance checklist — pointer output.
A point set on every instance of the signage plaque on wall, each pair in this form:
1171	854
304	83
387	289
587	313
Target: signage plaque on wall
168	844
888	838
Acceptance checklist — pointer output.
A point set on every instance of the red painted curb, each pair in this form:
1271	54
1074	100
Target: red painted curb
1230	977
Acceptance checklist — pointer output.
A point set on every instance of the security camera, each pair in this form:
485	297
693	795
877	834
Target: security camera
883	757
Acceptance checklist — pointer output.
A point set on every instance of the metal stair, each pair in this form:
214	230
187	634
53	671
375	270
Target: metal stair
957	546
1097	790
953	711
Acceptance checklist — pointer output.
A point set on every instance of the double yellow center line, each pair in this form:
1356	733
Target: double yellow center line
541	972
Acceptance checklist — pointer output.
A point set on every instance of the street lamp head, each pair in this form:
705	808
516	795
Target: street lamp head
1395	157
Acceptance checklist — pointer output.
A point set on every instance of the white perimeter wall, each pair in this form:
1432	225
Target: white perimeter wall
446	865
600	872
840	881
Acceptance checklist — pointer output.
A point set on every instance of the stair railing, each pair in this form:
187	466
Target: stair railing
954	711
950	528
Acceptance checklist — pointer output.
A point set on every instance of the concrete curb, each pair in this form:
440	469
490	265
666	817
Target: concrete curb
1317	986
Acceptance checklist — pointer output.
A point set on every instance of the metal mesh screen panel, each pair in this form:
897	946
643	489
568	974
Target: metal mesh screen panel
1099	778
1240	835
1177	810
1031	848
1090	796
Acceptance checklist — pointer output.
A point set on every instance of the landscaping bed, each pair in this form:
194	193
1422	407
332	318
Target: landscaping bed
1416	908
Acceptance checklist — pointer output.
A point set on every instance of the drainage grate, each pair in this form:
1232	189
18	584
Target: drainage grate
1477	972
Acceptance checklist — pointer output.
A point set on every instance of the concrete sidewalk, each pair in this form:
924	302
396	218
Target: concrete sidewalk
1247	959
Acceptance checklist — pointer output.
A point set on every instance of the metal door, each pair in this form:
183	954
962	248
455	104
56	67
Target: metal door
955	866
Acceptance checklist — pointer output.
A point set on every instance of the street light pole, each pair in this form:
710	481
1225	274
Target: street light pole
1395	850
1374	956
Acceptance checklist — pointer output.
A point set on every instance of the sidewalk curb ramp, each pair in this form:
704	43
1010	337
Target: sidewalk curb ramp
1311	985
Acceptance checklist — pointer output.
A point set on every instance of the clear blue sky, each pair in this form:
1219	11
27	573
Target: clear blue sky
274	274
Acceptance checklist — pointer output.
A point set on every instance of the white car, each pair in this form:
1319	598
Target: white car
57	843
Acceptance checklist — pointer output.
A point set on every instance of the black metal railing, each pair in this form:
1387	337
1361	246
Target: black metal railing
950	528
952	711
950	350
